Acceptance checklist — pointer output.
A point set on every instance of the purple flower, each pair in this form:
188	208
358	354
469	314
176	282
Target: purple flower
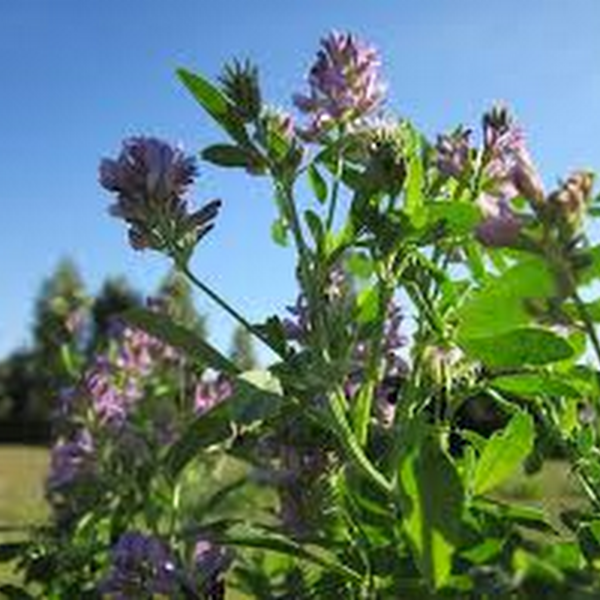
344	83
210	393
297	327
210	559
452	153
70	461
508	172
148	170
111	400
501	227
509	168
140	565
149	178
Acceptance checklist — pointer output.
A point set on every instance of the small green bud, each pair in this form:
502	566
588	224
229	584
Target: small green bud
241	86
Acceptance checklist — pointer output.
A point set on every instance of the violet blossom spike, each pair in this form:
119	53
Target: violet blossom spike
344	82
501	227
150	179
71	460
210	559
452	153
141	565
510	168
212	392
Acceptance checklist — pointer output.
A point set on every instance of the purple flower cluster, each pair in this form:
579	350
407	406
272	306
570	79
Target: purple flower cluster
509	172
71	461
338	293
150	178
452	153
115	381
344	83
210	393
395	368
209	562
509	167
141	565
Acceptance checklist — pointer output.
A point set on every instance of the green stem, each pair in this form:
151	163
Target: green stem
225	306
588	324
335	191
351	445
309	279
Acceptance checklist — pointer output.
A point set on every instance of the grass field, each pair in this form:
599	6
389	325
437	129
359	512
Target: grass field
22	473
23	469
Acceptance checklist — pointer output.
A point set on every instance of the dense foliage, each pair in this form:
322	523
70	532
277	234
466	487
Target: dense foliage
349	468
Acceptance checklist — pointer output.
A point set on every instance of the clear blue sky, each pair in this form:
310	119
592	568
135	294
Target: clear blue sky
77	76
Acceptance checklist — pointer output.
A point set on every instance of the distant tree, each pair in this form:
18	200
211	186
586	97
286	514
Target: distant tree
60	310
176	293
18	384
115	297
242	352
60	323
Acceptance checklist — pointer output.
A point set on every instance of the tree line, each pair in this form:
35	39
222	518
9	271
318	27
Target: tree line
69	326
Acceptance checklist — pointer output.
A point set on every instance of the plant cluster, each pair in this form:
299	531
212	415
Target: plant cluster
352	468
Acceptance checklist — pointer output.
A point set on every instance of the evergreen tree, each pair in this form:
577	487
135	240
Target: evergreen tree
115	297
60	318
243	353
176	292
60	309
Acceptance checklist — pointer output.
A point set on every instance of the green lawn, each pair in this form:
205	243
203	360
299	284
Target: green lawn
22	473
23	469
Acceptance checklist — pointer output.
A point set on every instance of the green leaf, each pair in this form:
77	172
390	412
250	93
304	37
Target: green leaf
431	498
162	328
592	309
317	183
367	303
12	592
11	550
591	271
415	179
215	104
227	155
360	265
279	232
532	385
256	396
316	227
501	304
529	566
504	452
458	218
532	517
520	347
287	547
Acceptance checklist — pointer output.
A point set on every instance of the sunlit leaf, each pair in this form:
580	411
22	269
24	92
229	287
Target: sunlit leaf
317	183
431	499
520	347
504	452
215	104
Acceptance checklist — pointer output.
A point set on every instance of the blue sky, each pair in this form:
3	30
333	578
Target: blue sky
77	77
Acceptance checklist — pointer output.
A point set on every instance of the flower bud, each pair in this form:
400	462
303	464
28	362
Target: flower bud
569	202
241	86
344	83
452	153
386	168
149	179
500	227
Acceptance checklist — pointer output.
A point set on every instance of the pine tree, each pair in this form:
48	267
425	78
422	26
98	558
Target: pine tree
176	292
115	297
243	353
60	318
